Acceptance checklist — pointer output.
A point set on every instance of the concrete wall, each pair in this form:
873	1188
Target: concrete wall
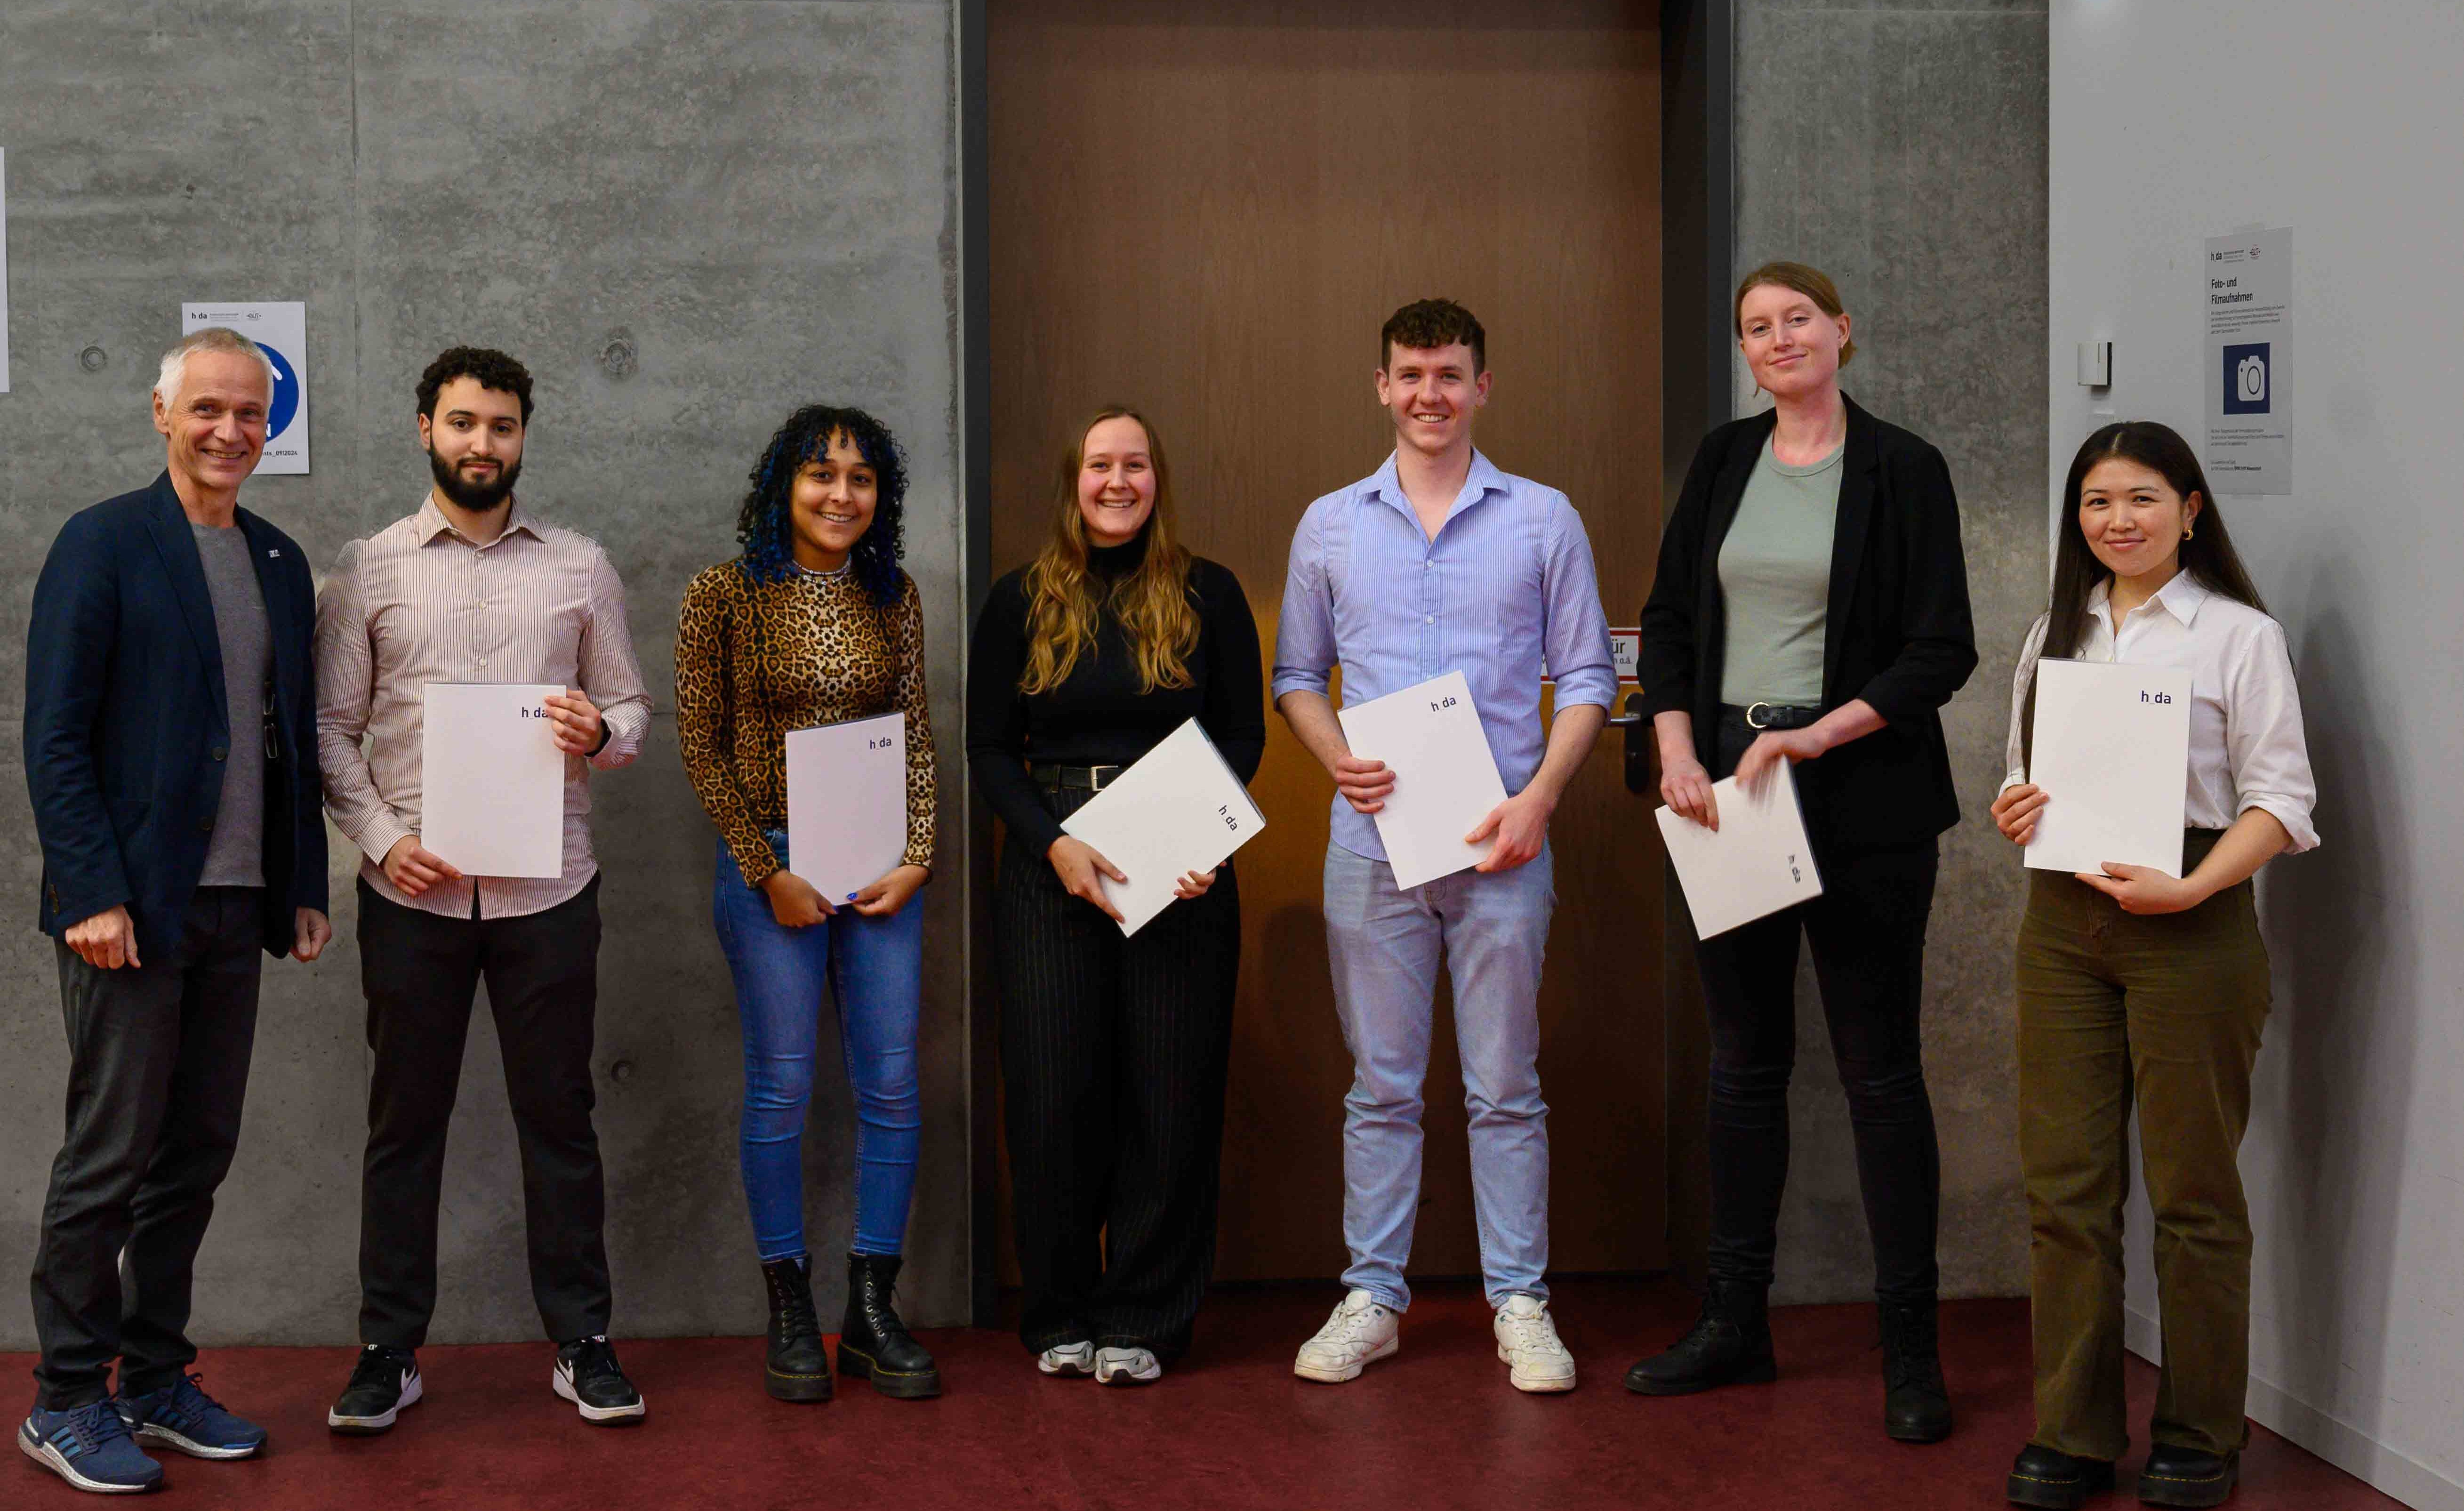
1901	147
763	196
2174	120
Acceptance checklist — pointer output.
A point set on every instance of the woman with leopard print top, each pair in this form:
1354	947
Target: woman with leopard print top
815	623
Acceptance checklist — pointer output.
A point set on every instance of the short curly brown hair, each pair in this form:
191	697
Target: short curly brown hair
1427	324
493	368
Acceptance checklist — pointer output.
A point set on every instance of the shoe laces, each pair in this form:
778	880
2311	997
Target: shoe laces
188	1401
1349	1326
380	1364
594	1359
1535	1331
96	1425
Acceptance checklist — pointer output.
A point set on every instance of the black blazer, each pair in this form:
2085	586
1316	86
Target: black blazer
126	726
1898	634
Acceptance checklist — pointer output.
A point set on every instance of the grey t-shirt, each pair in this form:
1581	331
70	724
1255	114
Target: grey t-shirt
1775	580
236	855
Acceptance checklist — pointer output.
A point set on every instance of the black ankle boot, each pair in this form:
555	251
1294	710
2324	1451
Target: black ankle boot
873	1344
1730	1345
798	1367
2055	1480
1915	1404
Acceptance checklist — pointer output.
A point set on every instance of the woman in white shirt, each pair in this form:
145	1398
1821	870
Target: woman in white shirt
2135	986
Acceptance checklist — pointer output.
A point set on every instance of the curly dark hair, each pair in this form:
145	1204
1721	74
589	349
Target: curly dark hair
763	526
492	367
1428	325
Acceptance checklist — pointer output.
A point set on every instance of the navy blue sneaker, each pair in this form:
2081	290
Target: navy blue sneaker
182	1417
90	1448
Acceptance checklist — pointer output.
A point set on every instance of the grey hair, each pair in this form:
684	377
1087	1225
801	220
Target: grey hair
209	339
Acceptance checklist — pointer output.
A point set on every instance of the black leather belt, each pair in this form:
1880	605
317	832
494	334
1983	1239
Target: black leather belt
1077	778
1770	715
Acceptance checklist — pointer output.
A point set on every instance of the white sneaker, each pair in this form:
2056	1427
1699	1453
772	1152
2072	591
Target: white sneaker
1126	1366
1526	1342
1362	1331
1067	1359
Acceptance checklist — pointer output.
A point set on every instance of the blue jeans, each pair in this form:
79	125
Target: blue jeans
1384	945
874	967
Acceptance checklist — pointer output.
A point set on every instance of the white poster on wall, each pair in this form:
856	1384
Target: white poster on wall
281	328
2246	297
4	270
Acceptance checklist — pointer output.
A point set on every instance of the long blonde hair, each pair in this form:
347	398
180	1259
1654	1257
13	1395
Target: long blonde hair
1152	602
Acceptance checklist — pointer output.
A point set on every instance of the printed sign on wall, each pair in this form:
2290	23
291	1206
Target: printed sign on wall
281	328
2245	298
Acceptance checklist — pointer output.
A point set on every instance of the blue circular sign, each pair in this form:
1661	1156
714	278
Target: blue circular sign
285	408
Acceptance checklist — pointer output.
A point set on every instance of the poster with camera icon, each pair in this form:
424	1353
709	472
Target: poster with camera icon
2246	300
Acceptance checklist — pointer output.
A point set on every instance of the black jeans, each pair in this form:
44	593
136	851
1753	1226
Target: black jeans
1114	1055
420	971
1867	931
157	1070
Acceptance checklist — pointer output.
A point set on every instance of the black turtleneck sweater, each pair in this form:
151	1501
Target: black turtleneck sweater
1098	717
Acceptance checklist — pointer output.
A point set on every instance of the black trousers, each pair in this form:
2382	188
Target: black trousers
157	1069
1113	1053
420	971
1867	932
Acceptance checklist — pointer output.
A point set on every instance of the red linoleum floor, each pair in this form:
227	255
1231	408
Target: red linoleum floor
1436	1427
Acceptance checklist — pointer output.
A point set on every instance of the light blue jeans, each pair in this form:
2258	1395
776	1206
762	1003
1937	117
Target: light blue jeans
875	968
1384	945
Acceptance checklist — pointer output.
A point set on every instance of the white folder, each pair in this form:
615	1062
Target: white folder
1445	776
1754	865
491	778
1177	809
2112	752
846	803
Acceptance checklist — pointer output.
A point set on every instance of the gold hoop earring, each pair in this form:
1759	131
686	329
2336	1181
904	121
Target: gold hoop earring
2187	531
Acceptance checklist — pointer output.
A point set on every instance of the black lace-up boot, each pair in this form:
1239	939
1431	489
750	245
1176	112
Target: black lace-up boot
873	1344
1730	1345
798	1367
1915	1404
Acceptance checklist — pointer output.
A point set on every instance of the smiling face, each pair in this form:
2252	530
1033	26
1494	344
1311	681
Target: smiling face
1432	396
831	504
1791	345
1116	481
475	442
215	424
2133	522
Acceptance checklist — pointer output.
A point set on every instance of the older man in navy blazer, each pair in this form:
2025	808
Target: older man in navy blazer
171	756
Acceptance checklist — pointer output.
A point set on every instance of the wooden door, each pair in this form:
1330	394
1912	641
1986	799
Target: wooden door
1207	209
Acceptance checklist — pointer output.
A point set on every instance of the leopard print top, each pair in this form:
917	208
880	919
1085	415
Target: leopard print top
754	660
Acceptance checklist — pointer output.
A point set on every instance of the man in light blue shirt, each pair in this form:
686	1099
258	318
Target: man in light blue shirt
1440	562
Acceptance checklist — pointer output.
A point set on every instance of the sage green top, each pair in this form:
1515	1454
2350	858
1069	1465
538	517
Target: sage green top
1776	581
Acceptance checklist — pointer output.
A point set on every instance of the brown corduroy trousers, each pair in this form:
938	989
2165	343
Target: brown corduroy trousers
2165	1010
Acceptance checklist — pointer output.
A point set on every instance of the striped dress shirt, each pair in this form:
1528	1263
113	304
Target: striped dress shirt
418	603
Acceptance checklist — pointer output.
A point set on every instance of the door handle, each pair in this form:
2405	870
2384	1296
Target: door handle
1641	747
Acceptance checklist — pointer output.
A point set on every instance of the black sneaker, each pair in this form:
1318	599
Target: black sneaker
588	1376
383	1382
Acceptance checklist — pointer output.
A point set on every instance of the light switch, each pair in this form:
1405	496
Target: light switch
2095	364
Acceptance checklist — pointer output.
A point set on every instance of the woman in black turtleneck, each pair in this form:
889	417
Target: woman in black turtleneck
1113	1049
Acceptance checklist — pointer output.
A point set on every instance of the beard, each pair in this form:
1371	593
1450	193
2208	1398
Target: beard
477	497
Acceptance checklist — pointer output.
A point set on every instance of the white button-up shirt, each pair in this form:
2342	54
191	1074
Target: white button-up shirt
419	603
2247	749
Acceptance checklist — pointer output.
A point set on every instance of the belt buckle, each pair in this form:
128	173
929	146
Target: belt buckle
1096	781
1752	722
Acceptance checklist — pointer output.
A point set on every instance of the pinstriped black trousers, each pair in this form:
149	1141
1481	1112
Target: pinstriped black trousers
1113	1053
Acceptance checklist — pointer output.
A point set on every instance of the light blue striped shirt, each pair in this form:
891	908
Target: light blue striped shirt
1505	594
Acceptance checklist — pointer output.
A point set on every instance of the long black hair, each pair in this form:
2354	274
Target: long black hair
764	524
2208	556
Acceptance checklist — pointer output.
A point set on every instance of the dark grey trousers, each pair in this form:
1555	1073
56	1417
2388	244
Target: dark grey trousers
157	1069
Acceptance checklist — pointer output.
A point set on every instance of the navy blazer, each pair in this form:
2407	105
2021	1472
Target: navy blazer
127	727
1897	631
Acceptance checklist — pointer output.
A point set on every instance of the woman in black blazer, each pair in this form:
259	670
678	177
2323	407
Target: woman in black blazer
1811	607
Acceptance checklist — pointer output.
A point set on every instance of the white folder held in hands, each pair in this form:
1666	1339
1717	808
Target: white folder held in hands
1445	776
1177	809
2112	751
846	803
1755	864
491	778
